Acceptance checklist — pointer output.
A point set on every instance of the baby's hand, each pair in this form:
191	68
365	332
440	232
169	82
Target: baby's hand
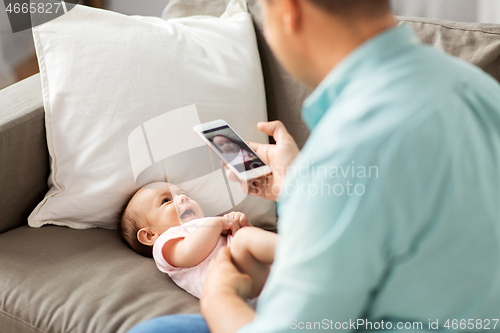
240	217
229	225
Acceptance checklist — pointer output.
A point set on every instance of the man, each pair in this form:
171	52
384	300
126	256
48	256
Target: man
389	216
417	241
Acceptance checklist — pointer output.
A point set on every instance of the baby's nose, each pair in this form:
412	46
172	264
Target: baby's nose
182	198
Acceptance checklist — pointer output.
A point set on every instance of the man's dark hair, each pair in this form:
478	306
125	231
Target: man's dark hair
354	7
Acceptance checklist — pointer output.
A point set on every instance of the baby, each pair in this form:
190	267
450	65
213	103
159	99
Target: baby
162	222
230	149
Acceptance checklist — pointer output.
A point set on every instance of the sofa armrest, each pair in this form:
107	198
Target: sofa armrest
24	158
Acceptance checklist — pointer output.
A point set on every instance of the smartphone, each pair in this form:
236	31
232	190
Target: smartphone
232	150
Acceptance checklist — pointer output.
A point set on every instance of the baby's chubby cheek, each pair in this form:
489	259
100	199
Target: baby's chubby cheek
198	210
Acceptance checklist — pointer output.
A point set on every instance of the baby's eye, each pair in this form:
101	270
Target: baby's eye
165	200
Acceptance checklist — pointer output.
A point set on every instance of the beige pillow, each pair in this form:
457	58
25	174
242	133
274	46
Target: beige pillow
105	74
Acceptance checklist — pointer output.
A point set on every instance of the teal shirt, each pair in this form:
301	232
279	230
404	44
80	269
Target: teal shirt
392	209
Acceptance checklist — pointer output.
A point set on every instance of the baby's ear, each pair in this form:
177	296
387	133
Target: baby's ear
147	236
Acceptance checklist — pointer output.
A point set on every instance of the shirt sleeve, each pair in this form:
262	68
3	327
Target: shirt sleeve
338	233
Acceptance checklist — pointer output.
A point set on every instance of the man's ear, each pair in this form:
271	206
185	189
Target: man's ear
147	236
291	15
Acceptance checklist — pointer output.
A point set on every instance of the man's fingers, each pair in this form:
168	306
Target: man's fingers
254	145
231	176
257	186
276	129
250	187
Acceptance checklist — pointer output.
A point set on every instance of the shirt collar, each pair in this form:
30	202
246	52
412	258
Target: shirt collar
365	58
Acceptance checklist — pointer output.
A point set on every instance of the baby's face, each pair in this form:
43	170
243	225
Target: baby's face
165	205
225	145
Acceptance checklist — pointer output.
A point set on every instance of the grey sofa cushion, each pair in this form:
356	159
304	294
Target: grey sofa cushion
56	279
24	159
478	44
284	94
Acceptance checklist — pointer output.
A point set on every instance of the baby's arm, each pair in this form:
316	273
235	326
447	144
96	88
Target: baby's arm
195	247
252	251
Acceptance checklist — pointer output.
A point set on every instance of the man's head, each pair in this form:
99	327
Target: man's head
152	211
309	37
354	8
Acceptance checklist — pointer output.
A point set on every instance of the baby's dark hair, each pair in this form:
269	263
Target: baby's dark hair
239	144
128	226
222	135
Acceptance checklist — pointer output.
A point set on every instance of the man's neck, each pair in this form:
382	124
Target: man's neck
338	40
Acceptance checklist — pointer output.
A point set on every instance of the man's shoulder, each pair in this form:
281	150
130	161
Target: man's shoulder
410	101
385	130
358	130
415	76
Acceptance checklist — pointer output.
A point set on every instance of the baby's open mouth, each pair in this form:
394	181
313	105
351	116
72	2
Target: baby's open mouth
188	213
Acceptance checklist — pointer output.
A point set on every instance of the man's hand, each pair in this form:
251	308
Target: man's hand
224	293
278	157
224	278
240	217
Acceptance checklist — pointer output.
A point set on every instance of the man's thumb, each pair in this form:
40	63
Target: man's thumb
276	129
254	145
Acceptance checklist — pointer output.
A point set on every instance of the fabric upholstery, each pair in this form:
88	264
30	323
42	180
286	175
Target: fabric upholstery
80	281
24	160
478	44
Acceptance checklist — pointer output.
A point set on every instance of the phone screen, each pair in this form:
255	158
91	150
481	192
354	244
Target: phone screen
234	150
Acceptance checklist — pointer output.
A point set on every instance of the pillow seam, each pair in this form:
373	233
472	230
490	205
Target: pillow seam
451	27
48	128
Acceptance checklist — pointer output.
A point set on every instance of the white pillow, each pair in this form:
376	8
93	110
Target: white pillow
106	75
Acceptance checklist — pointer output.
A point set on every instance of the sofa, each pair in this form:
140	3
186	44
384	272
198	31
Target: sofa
55	279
